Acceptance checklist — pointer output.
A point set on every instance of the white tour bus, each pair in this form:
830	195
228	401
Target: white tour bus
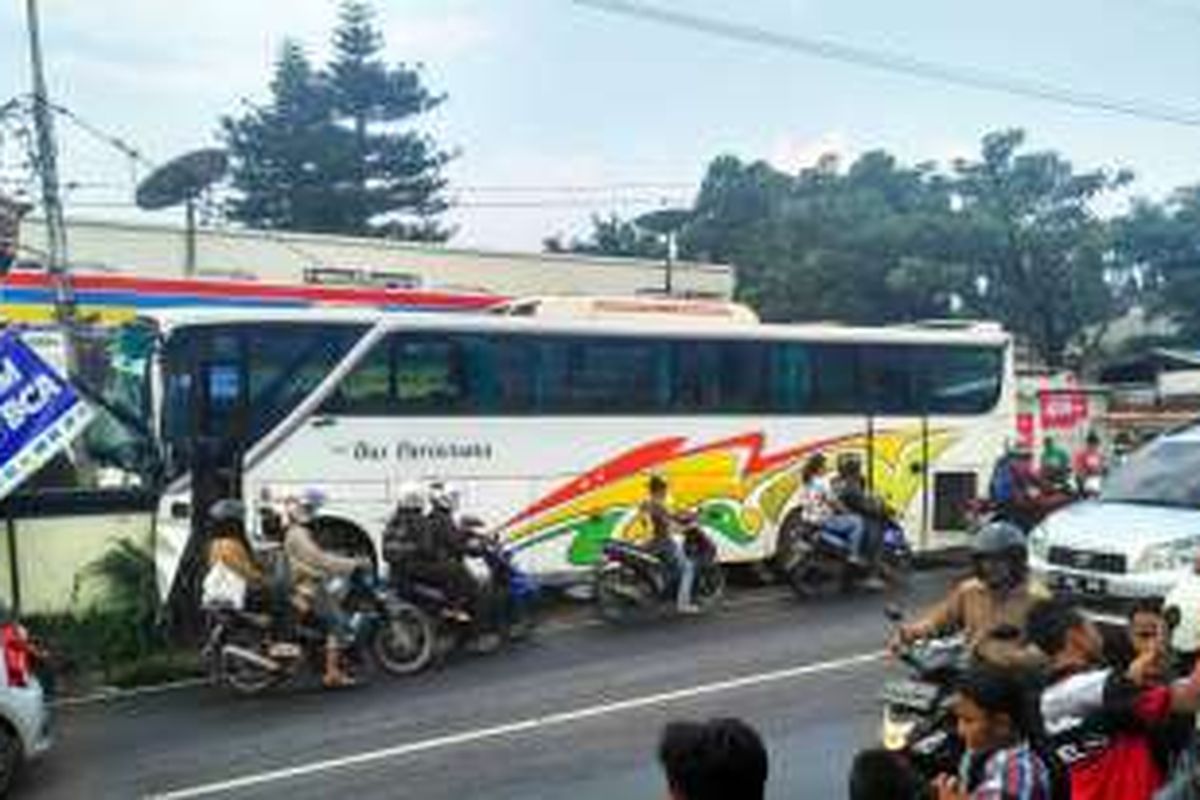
550	427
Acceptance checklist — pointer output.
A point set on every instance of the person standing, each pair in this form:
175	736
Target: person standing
1090	465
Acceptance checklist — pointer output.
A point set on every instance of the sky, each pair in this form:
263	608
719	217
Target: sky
561	111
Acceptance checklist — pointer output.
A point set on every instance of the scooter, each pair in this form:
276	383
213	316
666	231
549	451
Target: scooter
509	598
810	558
633	584
918	720
243	651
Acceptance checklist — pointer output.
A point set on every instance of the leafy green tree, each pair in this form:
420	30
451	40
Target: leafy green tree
1043	260
329	152
1161	242
613	236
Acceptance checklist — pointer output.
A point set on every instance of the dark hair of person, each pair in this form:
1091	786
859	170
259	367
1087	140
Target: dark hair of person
715	760
1146	605
879	774
657	484
1048	624
1093	439
998	691
814	465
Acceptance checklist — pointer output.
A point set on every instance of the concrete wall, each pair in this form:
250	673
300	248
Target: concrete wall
158	251
52	552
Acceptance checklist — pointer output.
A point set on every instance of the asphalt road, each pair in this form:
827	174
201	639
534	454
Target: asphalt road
575	714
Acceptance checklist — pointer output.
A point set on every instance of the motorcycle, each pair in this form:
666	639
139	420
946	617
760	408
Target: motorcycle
242	650
918	719
509	597
633	584
810	558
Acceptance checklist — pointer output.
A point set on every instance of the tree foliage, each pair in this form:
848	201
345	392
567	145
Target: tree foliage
1161	245
329	152
1010	235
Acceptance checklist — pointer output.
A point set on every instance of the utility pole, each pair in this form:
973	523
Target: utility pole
47	167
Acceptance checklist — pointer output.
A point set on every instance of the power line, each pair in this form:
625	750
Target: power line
578	188
896	63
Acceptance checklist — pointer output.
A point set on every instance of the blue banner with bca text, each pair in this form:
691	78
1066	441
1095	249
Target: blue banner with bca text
40	413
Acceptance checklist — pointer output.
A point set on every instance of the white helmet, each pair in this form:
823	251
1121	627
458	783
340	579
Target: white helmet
444	496
412	496
303	506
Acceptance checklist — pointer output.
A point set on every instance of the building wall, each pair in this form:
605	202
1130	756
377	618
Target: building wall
159	252
53	552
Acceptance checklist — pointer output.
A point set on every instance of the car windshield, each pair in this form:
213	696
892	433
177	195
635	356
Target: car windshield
1166	473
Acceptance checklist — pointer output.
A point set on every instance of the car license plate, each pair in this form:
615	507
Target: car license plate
1078	584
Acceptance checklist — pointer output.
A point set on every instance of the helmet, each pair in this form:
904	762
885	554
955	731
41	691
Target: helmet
227	510
412	496
302	507
998	538
444	496
1000	553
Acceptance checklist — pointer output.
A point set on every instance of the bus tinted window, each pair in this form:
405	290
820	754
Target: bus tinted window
743	376
964	380
512	375
892	379
837	387
603	376
792	390
429	375
368	389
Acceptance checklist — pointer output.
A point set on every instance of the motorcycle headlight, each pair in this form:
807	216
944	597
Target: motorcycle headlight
1039	543
895	731
1169	556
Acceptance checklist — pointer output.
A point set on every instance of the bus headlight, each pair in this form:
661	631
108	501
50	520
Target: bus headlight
1169	556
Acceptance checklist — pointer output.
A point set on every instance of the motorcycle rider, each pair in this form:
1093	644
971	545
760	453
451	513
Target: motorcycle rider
667	545
850	488
824	510
424	543
991	606
315	572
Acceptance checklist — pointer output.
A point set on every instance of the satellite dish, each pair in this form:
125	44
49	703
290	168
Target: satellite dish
182	179
665	221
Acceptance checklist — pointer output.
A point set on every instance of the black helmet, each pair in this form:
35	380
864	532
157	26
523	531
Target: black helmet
999	553
997	539
227	510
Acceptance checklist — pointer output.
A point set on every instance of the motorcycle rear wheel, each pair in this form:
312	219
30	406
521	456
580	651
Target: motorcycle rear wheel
623	597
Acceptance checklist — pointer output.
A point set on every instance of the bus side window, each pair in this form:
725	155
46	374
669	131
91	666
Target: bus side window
792	378
429	375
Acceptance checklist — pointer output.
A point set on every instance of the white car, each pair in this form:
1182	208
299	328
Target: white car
24	716
1139	539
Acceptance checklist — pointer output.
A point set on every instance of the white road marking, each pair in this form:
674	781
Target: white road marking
513	728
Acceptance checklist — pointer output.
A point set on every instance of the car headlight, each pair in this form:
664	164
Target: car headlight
1169	556
1039	543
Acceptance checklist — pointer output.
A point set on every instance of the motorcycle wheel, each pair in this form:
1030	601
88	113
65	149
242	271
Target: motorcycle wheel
804	575
710	585
896	568
622	596
406	641
244	677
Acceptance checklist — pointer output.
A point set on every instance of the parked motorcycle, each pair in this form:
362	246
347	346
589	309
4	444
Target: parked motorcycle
243	653
811	559
633	584
918	719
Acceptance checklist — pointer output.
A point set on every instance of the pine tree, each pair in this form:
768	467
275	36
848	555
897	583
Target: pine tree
328	153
